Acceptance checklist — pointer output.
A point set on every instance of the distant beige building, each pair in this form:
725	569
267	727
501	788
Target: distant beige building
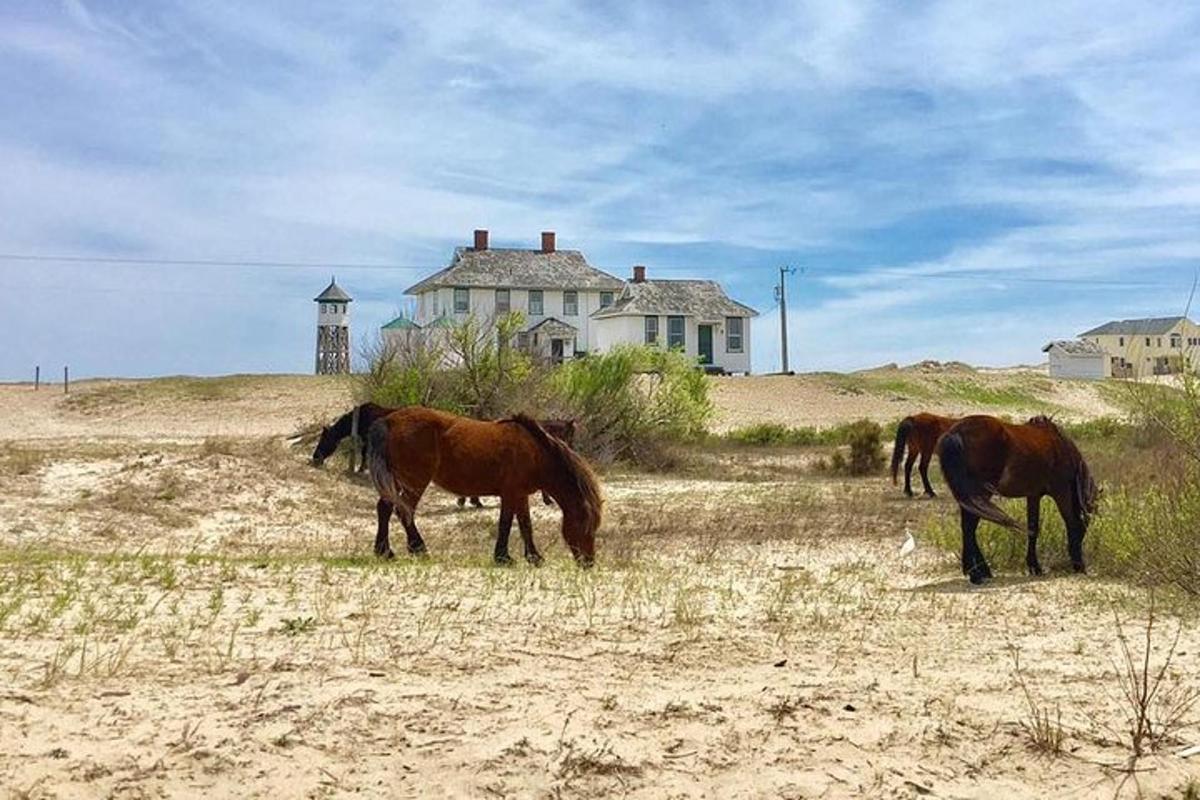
1140	347
1077	358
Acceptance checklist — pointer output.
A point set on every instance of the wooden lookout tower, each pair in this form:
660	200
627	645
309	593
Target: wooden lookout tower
333	330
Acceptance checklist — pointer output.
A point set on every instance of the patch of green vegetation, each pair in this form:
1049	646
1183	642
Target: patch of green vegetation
87	398
774	434
977	393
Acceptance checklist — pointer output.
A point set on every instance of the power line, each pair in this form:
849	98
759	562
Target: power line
897	272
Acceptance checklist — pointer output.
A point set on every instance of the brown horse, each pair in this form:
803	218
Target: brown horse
920	433
367	413
982	456
511	458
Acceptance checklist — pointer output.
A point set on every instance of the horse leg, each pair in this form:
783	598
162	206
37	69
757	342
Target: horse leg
1033	508
546	500
475	501
501	555
362	462
974	564
407	512
383	512
462	501
526	524
908	465
1075	530
924	467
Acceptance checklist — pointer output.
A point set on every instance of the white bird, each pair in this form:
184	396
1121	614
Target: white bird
909	545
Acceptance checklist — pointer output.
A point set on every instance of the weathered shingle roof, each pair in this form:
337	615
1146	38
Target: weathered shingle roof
333	293
704	299
1075	347
553	325
518	269
1135	327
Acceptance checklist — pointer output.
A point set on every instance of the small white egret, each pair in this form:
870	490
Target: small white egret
909	545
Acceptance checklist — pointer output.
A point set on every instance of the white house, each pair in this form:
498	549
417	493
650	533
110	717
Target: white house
696	316
1077	358
572	308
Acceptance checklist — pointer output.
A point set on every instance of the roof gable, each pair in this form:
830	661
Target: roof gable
1149	326
1074	347
333	293
518	269
705	299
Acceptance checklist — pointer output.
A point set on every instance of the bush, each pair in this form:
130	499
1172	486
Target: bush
770	434
863	454
632	401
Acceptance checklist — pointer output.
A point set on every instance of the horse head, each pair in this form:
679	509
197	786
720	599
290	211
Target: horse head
325	446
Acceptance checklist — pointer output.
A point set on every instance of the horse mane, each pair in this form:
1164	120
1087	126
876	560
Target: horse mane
1085	491
571	464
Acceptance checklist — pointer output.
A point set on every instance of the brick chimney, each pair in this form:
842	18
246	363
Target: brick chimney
639	274
547	241
481	236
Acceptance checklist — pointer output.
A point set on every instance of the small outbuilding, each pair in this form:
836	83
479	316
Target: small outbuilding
1077	358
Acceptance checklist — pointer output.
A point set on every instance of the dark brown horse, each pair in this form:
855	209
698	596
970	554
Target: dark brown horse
511	458
982	456
920	433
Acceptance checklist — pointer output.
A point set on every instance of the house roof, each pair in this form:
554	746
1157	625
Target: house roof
401	324
333	293
552	324
518	269
1075	347
1136	327
705	299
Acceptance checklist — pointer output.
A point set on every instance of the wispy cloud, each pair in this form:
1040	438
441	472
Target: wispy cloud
881	145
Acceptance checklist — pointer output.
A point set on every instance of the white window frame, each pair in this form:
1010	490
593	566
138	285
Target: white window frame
507	305
466	298
571	308
671	336
610	297
650	331
540	310
730	335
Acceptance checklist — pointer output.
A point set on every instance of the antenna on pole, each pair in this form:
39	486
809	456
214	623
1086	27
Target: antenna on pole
781	296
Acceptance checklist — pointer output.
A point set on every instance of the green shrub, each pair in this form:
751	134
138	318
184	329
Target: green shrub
866	449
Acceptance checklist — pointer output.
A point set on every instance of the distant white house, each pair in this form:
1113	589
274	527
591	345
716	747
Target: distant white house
572	308
1077	358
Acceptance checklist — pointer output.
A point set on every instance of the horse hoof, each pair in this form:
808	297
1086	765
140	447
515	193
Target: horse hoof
1035	571
534	558
386	555
1079	568
503	560
931	495
980	579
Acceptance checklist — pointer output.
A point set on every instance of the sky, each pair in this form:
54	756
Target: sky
951	180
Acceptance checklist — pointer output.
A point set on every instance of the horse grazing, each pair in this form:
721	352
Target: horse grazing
511	458
982	456
920	433
343	426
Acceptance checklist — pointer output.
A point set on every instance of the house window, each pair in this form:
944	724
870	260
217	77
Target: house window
502	302
324	309
570	304
675	337
733	334
1121	341
1176	340
606	299
435	304
1147	341
535	302
462	300
523	340
1160	341
651	330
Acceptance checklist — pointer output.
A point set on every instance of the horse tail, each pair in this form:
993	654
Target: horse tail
971	493
580	475
902	431
377	462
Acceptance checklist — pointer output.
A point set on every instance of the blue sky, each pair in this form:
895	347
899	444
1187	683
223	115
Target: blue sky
958	180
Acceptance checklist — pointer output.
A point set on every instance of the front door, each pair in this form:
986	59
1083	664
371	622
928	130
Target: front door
556	350
705	345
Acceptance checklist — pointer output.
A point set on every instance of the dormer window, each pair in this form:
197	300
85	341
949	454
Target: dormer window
462	300
606	299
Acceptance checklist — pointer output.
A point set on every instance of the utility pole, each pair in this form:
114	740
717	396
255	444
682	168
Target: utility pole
781	296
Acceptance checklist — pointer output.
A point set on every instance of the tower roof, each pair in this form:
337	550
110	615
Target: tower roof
333	294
